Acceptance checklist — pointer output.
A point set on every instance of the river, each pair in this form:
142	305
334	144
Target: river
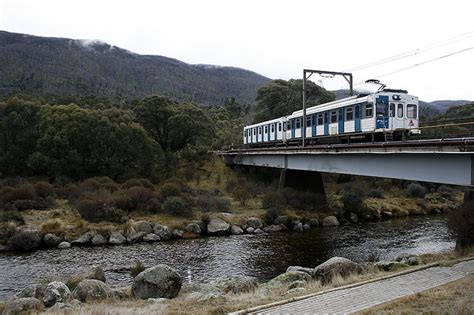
261	256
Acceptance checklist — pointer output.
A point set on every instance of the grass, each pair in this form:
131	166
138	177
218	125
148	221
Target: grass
456	297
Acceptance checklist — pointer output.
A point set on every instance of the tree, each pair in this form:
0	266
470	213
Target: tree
280	98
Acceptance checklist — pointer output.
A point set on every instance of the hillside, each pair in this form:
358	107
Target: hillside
46	66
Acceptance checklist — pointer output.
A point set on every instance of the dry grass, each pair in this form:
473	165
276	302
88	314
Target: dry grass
453	298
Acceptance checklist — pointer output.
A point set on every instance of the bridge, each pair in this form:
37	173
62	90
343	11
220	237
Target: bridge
444	161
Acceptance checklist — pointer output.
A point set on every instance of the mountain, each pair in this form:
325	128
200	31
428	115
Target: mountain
47	66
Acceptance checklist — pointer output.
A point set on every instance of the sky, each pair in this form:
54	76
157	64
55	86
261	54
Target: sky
278	39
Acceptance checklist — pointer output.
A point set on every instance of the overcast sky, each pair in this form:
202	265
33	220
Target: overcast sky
276	38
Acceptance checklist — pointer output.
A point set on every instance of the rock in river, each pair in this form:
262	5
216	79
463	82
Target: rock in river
330	221
157	282
218	227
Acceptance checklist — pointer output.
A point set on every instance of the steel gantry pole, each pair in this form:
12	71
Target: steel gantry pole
346	75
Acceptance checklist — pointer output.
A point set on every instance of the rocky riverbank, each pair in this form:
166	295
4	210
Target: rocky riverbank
164	287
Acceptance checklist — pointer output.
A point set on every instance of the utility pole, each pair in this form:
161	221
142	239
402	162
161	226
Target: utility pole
307	73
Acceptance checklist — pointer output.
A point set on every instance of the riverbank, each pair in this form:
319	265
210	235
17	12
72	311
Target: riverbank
231	294
233	204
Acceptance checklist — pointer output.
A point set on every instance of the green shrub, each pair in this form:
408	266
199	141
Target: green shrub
134	198
415	190
207	202
24	197
176	206
375	192
95	211
44	189
24	241
352	202
141	182
271	215
15	216
170	189
273	200
445	191
135	270
23	192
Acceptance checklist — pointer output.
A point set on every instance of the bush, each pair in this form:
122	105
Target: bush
15	216
461	222
24	241
271	215
415	190
52	226
23	192
375	192
273	200
134	198
135	270
176	206
140	182
303	200
352	202
170	189
445	191
96	212
208	202
44	189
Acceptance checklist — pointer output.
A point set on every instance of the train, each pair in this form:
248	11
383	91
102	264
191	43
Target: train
376	113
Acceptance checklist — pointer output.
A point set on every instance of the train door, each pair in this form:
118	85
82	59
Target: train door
313	125
381	111
357	114
340	120
399	116
326	123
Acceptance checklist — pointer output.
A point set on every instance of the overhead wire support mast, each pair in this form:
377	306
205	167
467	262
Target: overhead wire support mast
307	73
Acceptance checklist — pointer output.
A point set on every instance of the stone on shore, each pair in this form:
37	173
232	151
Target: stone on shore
162	231
250	230
306	227
272	228
117	239
218	226
157	282
330	221
177	233
98	240
353	217
258	231
136	237
25	240
298	227
51	240
390	265
193	228
313	222
64	245
92	290
25	305
255	223
84	239
289	277
143	226
236	230
61	288
309	271
336	266
151	237
237	284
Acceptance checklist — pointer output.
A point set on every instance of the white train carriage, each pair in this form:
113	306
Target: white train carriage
393	112
268	131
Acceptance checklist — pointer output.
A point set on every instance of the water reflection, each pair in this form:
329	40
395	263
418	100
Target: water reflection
261	256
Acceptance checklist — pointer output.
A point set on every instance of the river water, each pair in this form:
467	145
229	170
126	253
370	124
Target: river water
261	256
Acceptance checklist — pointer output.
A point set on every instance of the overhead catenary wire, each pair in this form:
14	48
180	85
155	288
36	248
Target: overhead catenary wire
412	52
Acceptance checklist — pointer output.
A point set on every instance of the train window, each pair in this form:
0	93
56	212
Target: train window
320	119
266	129
341	114
273	128
349	114
279	126
369	110
333	116
400	111
392	109
308	121
259	130
254	131
357	112
288	125
411	111
298	123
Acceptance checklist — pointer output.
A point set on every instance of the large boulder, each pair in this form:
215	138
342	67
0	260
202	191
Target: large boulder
236	230
162	231
143	226
160	281
309	271
289	277
25	305
48	294
336	266
117	239
92	290
61	288
151	237
84	239
256	223
330	221
193	228
98	240
218	227
136	237
51	240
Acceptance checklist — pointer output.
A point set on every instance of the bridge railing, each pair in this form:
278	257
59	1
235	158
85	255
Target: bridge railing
442	129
